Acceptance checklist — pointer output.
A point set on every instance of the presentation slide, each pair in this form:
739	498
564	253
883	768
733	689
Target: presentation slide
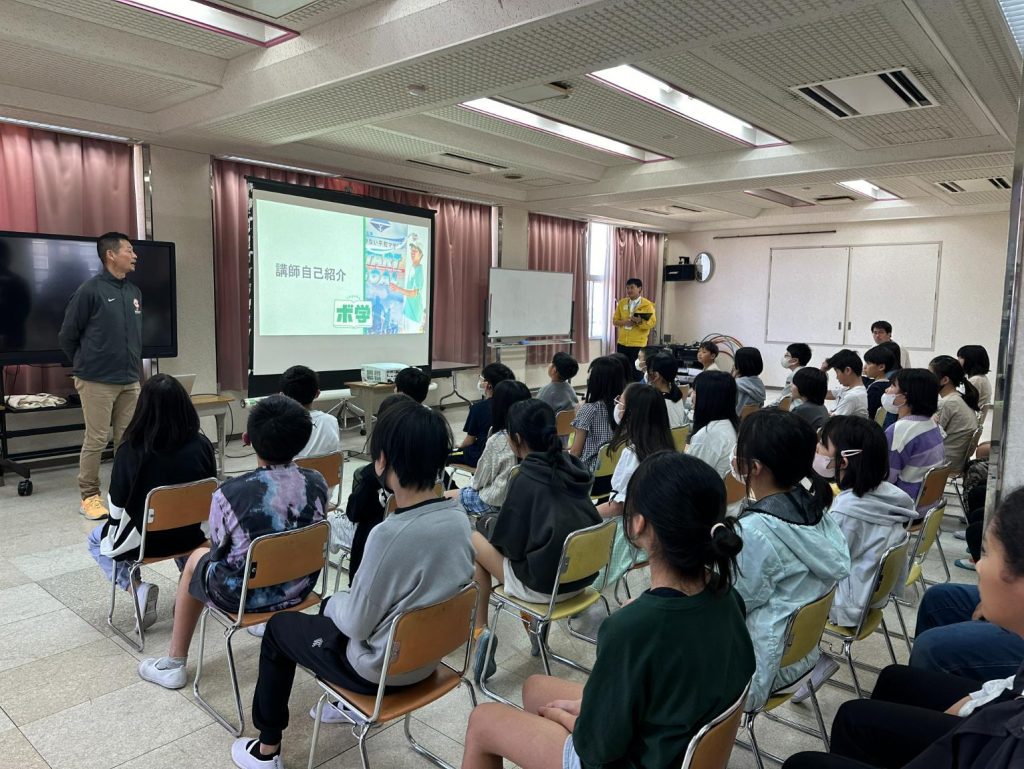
337	285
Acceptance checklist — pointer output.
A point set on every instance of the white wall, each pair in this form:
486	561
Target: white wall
735	300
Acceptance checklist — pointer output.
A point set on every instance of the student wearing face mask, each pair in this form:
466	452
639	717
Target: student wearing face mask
958	414
870	511
793	552
915	441
478	421
878	362
852	397
796	357
661	375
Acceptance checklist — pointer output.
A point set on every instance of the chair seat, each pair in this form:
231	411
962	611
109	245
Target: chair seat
871	623
411	698
776	700
463	468
182	554
839	630
563	610
259	617
915	574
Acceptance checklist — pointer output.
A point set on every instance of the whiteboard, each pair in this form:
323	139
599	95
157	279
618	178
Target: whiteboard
807	295
529	303
897	283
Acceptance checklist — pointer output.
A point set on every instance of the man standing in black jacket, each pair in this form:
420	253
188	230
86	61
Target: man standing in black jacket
102	337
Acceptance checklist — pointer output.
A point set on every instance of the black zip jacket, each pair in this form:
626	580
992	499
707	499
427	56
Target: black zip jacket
102	330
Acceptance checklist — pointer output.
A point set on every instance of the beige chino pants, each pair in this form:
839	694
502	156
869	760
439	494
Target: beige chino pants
103	405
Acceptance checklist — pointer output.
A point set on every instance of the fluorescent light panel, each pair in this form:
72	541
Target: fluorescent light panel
659	93
282	166
866	188
216	19
66	130
522	117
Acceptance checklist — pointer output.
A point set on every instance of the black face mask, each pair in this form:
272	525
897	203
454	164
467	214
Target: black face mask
380	480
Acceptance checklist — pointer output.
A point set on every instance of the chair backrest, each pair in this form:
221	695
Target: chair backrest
680	435
429	634
563	422
184	504
933	487
972	447
886	575
328	465
586	551
734	490
880	416
607	459
711	747
929	531
785	403
286	555
805	628
983	413
747	410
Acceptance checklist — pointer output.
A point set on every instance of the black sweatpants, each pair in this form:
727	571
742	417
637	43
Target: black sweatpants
311	641
903	717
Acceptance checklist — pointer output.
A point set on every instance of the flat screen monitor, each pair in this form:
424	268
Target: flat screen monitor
38	275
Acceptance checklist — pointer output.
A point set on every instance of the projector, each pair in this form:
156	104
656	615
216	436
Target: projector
381	373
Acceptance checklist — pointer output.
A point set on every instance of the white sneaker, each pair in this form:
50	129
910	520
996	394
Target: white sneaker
170	678
241	754
332	714
823	670
147	594
257	630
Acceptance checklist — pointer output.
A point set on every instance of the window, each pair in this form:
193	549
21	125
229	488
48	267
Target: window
599	245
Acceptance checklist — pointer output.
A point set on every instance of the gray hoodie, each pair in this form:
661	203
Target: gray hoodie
871	524
749	390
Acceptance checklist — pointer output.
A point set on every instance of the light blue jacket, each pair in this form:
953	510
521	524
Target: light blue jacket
783	565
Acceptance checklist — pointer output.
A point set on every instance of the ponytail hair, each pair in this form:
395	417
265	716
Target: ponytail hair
785	445
682	500
532	422
949	367
667	367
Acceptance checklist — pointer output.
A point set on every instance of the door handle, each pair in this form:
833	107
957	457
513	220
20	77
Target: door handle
849	325
839	326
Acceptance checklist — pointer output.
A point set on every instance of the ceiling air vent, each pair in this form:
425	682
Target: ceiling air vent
833	200
686	209
439	167
778	197
460	164
877	93
985	184
654	211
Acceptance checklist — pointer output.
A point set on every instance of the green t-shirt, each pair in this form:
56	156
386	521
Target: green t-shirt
414	304
666	665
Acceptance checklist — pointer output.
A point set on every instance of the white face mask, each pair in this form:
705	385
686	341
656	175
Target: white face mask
618	413
733	471
786	361
889	403
481	386
638	365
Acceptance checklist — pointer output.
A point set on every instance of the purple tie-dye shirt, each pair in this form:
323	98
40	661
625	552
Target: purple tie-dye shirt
267	500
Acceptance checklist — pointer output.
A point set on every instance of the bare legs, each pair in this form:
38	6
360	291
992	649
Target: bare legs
526	739
489	563
186	608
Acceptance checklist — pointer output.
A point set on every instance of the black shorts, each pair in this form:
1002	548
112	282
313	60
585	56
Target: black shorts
198	587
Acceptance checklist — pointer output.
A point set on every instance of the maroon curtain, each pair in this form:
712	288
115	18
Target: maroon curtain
636	254
560	245
64	185
462	233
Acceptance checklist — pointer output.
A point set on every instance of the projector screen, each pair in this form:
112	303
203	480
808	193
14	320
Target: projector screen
337	281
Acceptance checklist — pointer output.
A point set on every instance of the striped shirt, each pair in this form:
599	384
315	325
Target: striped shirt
915	446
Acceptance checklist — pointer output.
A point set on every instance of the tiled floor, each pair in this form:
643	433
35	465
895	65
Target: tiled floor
70	697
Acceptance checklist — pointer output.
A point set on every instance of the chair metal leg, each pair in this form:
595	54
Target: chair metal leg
576	634
820	720
228	633
133	570
493	639
903	626
316	729
430	756
754	748
888	642
942	554
361	736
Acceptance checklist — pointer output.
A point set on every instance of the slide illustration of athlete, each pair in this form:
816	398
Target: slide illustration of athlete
412	312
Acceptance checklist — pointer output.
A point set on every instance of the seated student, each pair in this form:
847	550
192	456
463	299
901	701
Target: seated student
747	369
644	700
878	362
278	495
643	357
881	331
810	386
595	418
414	382
486	491
547	500
852	397
559	393
796	357
793	552
974	359
915	441
952	636
958	413
922	720
300	383
347	643
162	446
661	375
643	431
707	354
366	500
478	421
714	420
870	511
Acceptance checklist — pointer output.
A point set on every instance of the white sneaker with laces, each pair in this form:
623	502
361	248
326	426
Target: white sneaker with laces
332	714
147	594
242	754
257	630
156	670
823	670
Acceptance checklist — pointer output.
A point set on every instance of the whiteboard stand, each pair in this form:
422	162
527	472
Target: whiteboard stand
497	344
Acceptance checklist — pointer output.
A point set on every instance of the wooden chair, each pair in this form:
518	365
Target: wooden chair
803	634
786	403
712	746
331	467
272	559
167	507
887	574
584	552
607	459
932	494
563	424
417	638
680	435
749	409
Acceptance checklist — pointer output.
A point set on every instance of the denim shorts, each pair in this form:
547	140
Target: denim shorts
569	758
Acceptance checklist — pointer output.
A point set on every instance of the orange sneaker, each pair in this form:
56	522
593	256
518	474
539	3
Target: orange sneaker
93	509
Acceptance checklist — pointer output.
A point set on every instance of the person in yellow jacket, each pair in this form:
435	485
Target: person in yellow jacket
634	317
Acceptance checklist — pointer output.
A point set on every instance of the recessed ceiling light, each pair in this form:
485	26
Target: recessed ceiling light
866	188
537	122
417	90
282	166
216	19
659	93
66	130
